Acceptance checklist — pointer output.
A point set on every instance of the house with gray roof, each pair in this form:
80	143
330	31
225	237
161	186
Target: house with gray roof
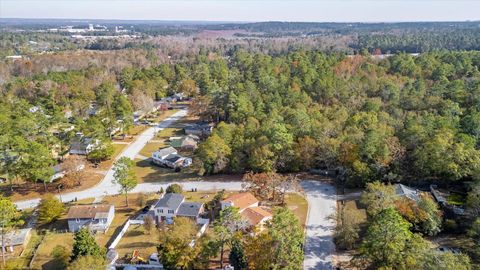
173	205
407	192
169	157
83	145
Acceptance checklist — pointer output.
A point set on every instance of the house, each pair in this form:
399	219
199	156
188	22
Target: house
256	216
169	157
241	200
58	173
95	217
83	145
17	238
202	129
407	192
188	142
173	205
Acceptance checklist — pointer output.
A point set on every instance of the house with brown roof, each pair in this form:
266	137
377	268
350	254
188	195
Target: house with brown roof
242	201
95	217
256	216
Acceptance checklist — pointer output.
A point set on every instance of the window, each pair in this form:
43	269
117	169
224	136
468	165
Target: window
170	211
77	220
160	211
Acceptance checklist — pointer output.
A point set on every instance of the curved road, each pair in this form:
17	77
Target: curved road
321	198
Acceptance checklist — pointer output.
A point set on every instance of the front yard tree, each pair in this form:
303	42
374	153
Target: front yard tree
287	238
174	188
269	186
386	240
84	244
174	250
73	168
101	152
8	216
125	176
377	197
36	163
226	228
237	256
49	209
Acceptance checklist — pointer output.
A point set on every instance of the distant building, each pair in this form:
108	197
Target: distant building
83	145
169	157
96	218
407	192
188	142
198	130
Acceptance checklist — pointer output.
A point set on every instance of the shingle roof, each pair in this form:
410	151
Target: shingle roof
170	200
402	190
166	151
89	211
241	200
255	215
189	209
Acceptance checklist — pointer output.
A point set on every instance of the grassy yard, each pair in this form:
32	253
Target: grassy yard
136	238
151	147
298	205
44	259
147	173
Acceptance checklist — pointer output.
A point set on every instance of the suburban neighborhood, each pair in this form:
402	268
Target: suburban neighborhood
239	135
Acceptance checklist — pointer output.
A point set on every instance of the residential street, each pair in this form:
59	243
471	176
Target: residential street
321	198
319	246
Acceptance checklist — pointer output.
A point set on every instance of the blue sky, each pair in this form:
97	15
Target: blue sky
247	10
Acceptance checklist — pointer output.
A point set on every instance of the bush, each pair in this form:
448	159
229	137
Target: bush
450	225
174	188
61	256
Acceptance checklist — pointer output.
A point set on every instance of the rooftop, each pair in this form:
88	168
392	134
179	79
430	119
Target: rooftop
189	209
165	151
241	200
89	211
402	190
16	237
170	200
255	215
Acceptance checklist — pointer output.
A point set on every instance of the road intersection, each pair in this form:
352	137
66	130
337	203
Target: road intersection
321	197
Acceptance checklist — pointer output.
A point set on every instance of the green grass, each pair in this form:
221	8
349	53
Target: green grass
456	199
147	172
151	147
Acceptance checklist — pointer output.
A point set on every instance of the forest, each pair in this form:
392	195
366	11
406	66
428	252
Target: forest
404	118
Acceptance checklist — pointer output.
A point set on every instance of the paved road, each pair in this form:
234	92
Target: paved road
319	246
105	186
321	198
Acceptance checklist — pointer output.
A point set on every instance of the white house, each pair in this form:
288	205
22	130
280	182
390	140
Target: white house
96	218
172	205
169	157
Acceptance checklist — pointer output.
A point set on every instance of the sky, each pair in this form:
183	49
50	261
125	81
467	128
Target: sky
247	10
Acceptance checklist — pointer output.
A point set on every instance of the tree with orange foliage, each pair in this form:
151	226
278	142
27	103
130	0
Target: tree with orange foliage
270	186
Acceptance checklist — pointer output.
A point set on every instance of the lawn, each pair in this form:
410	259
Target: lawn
151	147
147	172
136	238
122	214
298	205
44	258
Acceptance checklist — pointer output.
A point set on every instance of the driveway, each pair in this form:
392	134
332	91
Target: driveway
106	186
321	197
319	246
